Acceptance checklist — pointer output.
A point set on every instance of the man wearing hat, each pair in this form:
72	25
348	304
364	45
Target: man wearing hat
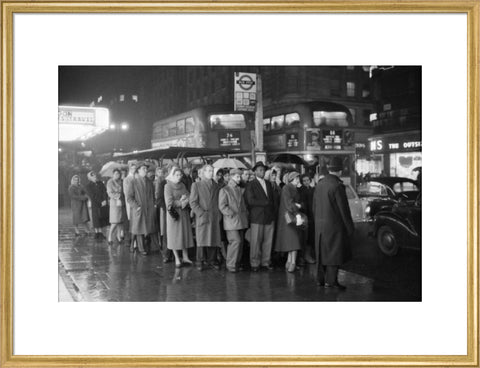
235	218
333	225
261	204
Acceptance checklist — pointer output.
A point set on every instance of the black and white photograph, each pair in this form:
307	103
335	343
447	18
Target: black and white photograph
225	183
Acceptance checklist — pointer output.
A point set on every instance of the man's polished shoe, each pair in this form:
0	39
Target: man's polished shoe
144	253
255	269
267	267
335	286
232	270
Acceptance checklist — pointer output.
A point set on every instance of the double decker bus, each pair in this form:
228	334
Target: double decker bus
314	131
213	127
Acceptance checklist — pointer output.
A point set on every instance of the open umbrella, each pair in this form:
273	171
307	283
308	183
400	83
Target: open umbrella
230	163
107	169
288	158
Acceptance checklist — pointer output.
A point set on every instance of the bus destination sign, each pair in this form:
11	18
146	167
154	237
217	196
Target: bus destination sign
229	139
332	139
245	91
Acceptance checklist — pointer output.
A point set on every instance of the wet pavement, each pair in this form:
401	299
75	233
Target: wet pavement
92	270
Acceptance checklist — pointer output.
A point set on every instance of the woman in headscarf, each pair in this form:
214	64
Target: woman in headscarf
288	237
97	193
118	212
79	200
179	228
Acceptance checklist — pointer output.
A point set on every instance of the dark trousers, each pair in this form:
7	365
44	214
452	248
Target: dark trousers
207	254
325	273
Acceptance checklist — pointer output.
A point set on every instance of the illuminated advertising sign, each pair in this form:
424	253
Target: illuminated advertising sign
395	143
81	123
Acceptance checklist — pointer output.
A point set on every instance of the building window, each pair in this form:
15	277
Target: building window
122	98
135	98
189	125
350	89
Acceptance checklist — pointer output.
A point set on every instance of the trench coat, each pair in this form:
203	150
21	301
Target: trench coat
141	195
118	212
333	221
233	208
179	231
288	236
204	204
97	193
79	199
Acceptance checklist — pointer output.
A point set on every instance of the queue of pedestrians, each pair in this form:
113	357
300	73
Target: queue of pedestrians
237	219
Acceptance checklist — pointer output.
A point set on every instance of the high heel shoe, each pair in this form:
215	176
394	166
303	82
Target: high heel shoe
187	262
178	265
291	267
110	242
287	265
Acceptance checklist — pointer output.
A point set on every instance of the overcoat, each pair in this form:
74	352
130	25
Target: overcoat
204	204
79	199
262	208
118	212
141	194
161	207
179	231
333	221
97	193
233	208
288	236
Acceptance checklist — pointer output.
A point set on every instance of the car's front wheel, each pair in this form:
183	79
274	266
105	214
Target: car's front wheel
386	240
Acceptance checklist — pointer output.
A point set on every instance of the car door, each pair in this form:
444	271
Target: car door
355	204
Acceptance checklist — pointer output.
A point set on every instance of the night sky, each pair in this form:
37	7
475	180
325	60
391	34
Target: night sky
83	84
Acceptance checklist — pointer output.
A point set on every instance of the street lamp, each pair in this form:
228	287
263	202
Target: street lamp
124	126
113	126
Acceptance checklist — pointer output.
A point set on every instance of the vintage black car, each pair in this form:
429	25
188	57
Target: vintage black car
383	193
399	227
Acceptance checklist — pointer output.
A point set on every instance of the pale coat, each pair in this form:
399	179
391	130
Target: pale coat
141	194
179	231
233	208
204	204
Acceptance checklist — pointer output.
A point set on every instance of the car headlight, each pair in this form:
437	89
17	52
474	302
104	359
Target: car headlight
367	210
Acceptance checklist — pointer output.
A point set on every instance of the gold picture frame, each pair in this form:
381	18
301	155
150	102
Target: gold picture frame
9	8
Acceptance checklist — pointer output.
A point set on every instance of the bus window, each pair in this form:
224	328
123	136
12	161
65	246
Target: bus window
278	122
266	125
227	121
330	118
181	126
189	125
292	119
172	129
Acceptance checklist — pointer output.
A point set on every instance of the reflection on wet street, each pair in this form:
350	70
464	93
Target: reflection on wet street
92	270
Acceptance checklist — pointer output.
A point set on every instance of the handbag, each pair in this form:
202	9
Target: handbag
173	212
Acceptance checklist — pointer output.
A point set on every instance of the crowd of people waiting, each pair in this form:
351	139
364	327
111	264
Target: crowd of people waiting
238	219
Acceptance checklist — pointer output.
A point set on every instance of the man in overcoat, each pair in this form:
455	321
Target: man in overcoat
142	205
333	225
127	182
235	218
204	204
261	205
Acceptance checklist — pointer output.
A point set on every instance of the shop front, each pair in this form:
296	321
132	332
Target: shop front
396	154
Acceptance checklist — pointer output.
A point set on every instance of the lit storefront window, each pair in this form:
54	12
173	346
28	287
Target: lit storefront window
403	163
